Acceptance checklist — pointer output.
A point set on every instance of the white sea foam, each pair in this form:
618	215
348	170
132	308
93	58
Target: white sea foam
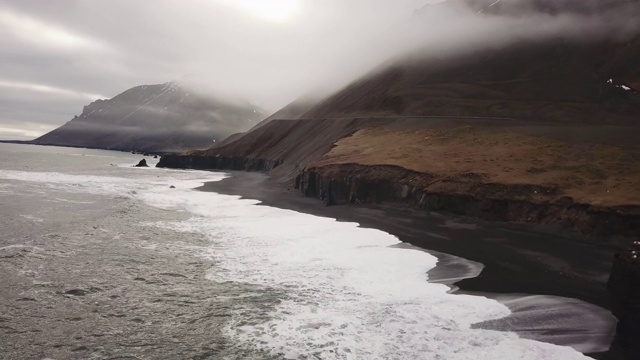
32	218
113	185
92	155
20	246
351	294
348	292
6	189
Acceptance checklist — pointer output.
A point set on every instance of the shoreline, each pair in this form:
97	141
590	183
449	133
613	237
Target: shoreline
517	259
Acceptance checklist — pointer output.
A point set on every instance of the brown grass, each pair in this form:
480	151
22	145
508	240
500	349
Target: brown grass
591	173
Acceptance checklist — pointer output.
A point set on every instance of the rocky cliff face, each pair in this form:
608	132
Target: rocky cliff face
624	286
465	195
200	162
155	118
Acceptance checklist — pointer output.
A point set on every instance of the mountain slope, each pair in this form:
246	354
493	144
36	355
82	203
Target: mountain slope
154	118
293	110
556	77
554	81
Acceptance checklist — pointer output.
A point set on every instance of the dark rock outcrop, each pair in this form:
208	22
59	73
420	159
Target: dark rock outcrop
463	195
142	163
202	162
624	286
466	195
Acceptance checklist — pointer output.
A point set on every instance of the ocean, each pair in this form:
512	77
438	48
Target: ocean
101	260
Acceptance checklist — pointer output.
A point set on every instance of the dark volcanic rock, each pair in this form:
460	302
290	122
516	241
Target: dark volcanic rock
202	162
142	163
77	292
155	119
624	286
362	184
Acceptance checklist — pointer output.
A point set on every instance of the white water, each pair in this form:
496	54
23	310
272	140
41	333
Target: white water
349	292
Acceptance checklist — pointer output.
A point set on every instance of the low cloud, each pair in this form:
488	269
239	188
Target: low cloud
43	34
18	86
13	130
269	55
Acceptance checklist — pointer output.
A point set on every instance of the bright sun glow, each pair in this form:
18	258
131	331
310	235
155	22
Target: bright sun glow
272	10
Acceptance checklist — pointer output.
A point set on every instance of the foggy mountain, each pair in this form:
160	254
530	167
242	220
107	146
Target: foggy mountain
293	110
551	7
155	118
557	77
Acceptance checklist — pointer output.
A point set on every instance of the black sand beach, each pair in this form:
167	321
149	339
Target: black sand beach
518	259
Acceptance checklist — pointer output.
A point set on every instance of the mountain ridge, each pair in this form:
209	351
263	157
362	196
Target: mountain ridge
158	118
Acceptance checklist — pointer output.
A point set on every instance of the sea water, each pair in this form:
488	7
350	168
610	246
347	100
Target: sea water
102	260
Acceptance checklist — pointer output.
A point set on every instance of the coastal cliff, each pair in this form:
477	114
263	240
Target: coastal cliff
199	162
464	195
624	287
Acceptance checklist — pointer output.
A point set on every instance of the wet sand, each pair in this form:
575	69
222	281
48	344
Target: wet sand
518	259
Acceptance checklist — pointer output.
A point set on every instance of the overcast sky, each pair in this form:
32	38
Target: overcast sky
56	56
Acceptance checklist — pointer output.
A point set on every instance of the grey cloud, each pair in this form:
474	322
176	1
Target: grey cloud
218	47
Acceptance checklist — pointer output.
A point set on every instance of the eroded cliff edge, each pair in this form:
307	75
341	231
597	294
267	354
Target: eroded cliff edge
467	195
513	173
624	286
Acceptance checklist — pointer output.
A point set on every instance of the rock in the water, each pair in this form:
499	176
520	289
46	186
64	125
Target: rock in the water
77	292
142	163
172	187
